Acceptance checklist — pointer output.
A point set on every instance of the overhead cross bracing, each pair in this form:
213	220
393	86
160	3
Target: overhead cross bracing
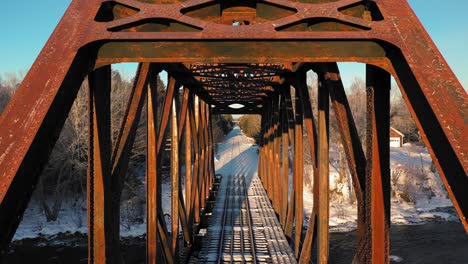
225	84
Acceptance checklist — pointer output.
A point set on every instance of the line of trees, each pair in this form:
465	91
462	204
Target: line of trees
64	176
400	116
251	125
221	124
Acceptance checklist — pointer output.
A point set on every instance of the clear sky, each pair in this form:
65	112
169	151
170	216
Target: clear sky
27	24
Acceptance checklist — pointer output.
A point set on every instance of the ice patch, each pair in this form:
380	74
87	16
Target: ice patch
396	258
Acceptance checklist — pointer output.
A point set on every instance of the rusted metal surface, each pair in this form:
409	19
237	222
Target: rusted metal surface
323	171
181	125
276	159
377	206
226	52
99	201
174	180
292	127
284	161
298	186
352	146
306	252
194	206
152	190
123	145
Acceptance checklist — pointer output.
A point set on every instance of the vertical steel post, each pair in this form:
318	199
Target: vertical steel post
212	146
198	162
276	158
174	178
165	118
306	252
188	171
298	168
323	169
194	208
285	162
352	147
201	133
268	151
207	151
291	124
152	194
181	126
124	143
261	162
99	168
378	166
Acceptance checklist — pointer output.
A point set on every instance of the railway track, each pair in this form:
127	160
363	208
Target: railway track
244	227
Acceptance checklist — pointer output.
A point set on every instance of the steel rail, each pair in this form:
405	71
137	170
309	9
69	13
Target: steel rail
249	222
221	241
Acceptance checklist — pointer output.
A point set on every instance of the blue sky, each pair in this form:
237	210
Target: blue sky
27	24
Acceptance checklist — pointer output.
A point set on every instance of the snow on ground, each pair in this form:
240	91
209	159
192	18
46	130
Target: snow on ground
418	193
34	223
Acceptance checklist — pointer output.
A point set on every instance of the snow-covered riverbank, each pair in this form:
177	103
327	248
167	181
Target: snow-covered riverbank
418	194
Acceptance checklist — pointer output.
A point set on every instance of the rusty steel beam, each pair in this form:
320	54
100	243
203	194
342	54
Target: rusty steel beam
181	108
152	181
284	162
298	183
261	152
323	170
188	172
174	179
270	169
208	151
270	145
183	112
437	107
381	33
202	168
351	144
377	206
198	156
266	127
157	226
306	252
292	139
171	87
278	155
123	144
266	178
99	199
164	238
183	126
28	134
276	158
195	207
268	152
211	148
201	173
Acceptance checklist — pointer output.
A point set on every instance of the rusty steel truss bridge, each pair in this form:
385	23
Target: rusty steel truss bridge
218	53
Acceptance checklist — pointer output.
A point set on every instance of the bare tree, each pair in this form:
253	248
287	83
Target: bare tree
65	172
8	84
400	116
357	101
